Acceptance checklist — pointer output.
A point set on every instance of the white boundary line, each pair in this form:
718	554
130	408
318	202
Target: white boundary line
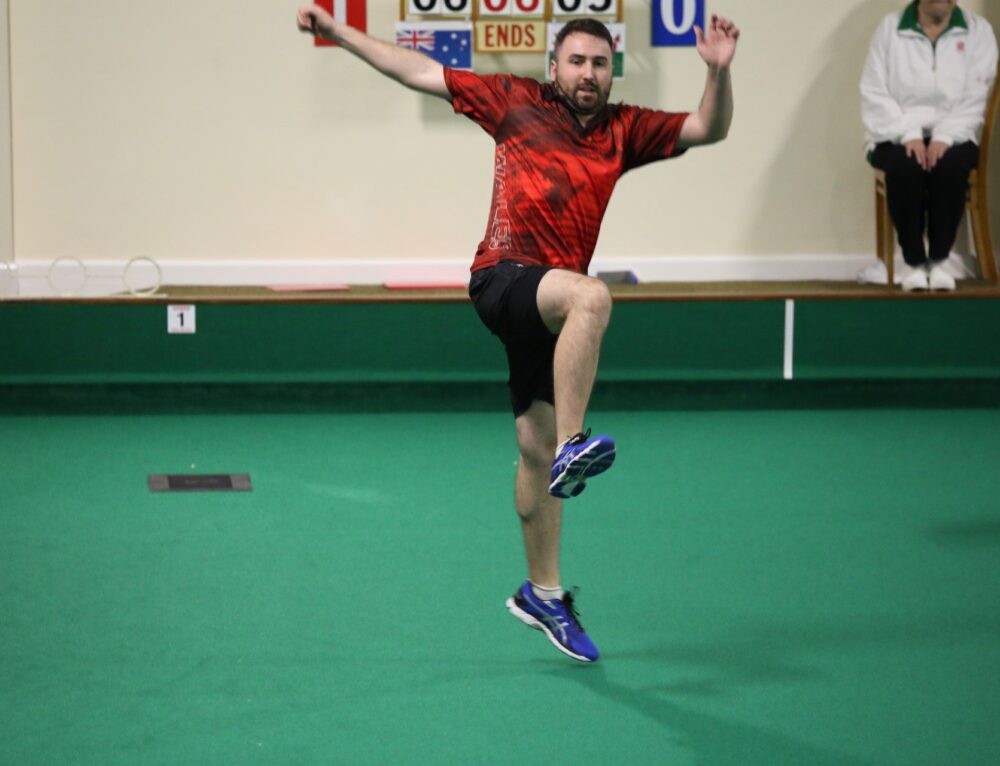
789	339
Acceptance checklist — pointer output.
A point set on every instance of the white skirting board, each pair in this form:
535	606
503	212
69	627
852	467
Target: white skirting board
86	277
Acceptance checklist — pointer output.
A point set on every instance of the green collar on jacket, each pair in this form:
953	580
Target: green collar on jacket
909	20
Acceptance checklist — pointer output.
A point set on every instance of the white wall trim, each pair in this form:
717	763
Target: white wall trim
105	276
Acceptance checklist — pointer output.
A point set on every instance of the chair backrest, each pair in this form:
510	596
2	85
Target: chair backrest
989	122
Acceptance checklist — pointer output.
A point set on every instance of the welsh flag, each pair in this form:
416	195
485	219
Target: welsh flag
617	34
354	13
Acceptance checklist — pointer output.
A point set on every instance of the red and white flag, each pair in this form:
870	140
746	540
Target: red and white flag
354	13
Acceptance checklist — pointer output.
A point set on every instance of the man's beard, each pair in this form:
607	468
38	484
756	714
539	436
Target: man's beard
600	101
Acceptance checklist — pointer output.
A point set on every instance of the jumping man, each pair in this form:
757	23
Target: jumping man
560	148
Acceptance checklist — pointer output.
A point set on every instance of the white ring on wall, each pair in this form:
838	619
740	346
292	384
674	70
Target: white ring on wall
147	290
77	288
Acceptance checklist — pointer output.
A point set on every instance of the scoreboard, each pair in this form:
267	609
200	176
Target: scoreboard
477	9
509	26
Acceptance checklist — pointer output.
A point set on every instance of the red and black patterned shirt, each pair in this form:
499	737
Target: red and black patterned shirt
553	177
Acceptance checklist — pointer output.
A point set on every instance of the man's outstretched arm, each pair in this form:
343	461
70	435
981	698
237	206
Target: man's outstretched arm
412	69
711	122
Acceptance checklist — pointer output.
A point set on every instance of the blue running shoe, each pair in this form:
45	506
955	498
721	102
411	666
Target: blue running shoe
580	458
557	619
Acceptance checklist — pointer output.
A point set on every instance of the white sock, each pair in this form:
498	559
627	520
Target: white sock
563	444
584	434
547	594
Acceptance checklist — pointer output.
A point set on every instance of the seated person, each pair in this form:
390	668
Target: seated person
924	89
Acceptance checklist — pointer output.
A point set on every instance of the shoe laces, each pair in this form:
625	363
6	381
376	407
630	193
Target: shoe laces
580	438
570	606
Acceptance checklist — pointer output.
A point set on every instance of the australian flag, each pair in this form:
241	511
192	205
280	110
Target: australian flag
447	42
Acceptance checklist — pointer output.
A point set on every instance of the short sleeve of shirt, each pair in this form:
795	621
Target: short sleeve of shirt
483	98
653	136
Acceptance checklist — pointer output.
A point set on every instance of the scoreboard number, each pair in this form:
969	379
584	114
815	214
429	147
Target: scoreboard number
674	21
439	8
668	12
488	8
584	7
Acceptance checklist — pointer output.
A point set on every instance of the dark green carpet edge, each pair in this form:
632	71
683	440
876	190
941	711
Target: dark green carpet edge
488	396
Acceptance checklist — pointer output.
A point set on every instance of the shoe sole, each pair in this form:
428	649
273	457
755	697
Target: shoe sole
532	622
573	480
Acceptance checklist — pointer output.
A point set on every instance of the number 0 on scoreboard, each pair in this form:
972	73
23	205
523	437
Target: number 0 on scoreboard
674	21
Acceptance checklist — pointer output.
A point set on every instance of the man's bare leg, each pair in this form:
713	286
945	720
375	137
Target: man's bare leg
542	603
578	309
540	513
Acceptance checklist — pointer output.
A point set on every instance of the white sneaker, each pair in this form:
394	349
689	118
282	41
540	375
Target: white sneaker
940	279
917	279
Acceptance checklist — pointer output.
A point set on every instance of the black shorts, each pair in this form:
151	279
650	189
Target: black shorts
506	299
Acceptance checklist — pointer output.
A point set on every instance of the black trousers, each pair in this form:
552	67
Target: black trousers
919	200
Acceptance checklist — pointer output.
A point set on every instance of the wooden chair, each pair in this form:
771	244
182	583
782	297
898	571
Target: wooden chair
977	203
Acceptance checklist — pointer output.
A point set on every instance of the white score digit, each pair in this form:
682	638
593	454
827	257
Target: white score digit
690	7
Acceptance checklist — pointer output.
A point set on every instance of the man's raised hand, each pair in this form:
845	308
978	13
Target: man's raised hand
717	44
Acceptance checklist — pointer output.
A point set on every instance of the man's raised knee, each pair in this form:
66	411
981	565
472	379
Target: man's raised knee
593	296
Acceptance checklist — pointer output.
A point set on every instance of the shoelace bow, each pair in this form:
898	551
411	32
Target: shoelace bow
571	607
580	438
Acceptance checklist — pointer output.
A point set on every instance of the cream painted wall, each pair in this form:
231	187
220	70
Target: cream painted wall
6	192
215	130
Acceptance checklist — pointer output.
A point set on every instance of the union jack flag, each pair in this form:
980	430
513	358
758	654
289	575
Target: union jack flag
415	39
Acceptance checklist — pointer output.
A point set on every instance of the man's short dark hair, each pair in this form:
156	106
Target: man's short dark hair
591	27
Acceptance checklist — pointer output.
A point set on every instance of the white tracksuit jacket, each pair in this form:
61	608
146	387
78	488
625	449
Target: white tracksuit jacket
912	89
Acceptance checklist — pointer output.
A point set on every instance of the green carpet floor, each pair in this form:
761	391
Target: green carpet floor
767	587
